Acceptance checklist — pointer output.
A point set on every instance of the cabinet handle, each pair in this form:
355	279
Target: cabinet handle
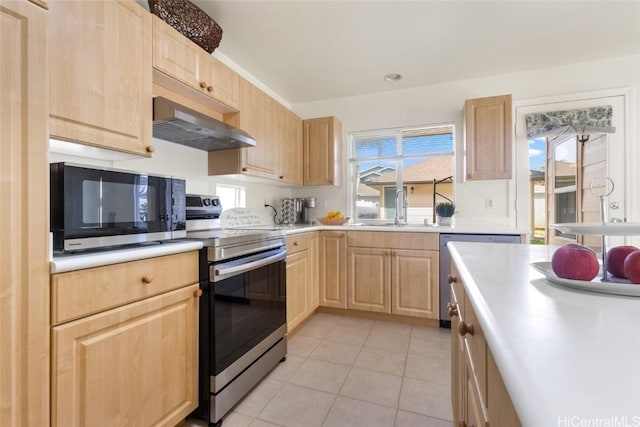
209	88
452	279
452	310
203	84
150	148
197	293
281	177
295	243
464	329
147	278
244	169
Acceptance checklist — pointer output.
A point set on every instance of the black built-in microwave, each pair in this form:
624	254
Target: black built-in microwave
95	207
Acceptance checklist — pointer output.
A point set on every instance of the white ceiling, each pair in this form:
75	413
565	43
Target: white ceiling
311	50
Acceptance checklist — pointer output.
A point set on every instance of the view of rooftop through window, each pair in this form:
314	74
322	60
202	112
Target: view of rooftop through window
419	160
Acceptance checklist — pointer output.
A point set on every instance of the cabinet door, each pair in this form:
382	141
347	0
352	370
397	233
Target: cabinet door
500	408
223	83
297	274
176	55
255	113
457	372
321	150
333	269
290	146
24	216
414	283
488	138
100	59
134	365
369	279
314	279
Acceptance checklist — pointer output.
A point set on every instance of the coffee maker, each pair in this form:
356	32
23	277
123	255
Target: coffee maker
298	210
308	214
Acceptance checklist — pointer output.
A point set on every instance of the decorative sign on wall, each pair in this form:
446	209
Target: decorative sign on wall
243	217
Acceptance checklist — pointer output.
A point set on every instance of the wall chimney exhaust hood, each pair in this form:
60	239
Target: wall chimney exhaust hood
176	123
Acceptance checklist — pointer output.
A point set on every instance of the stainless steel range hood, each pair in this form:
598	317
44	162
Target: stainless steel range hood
175	123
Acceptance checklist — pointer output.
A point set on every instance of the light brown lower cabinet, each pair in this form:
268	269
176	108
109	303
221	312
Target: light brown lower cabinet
393	273
478	394
302	277
333	269
135	364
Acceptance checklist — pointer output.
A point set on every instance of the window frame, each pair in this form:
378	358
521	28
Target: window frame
398	133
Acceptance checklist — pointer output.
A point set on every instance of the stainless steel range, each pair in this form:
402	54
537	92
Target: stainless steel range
242	309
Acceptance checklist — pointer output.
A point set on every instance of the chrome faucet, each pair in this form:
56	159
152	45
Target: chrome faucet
401	218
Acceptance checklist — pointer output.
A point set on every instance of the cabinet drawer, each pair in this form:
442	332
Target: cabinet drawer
298	242
83	292
393	240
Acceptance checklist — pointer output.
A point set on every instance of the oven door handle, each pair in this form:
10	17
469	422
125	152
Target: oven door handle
242	268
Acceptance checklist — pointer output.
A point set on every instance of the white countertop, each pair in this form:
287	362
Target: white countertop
70	262
565	355
411	228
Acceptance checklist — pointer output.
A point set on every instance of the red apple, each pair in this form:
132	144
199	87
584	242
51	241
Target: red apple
576	262
616	257
632	267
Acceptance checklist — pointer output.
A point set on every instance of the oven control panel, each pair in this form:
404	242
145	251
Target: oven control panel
203	207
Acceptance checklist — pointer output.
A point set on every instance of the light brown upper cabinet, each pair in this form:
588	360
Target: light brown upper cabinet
100	74
254	118
290	145
321	151
488	138
278	134
184	67
24	275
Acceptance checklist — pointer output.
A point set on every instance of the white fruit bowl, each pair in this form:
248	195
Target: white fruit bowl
334	221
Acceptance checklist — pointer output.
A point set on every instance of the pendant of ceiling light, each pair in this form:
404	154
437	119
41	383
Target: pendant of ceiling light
393	77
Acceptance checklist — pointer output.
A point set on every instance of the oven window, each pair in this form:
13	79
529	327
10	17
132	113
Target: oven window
247	309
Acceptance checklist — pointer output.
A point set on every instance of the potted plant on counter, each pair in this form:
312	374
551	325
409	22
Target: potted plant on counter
445	211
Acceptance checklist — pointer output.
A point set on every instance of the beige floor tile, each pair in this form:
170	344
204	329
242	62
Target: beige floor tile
233	419
320	375
388	339
327	318
425	368
260	423
347	412
295	406
355	322
426	398
336	352
315	329
428	333
397	328
381	360
348	334
302	346
409	419
257	399
374	387
434	348
283	371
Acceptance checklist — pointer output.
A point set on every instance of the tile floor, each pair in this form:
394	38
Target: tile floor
345	371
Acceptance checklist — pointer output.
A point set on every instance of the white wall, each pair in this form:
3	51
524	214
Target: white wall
444	104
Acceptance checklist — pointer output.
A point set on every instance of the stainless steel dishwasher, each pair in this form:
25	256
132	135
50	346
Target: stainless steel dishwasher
445	263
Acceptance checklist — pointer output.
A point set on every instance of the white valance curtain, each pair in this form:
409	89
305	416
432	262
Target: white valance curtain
583	121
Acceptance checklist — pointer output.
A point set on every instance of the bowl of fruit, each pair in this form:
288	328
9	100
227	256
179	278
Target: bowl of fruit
334	218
